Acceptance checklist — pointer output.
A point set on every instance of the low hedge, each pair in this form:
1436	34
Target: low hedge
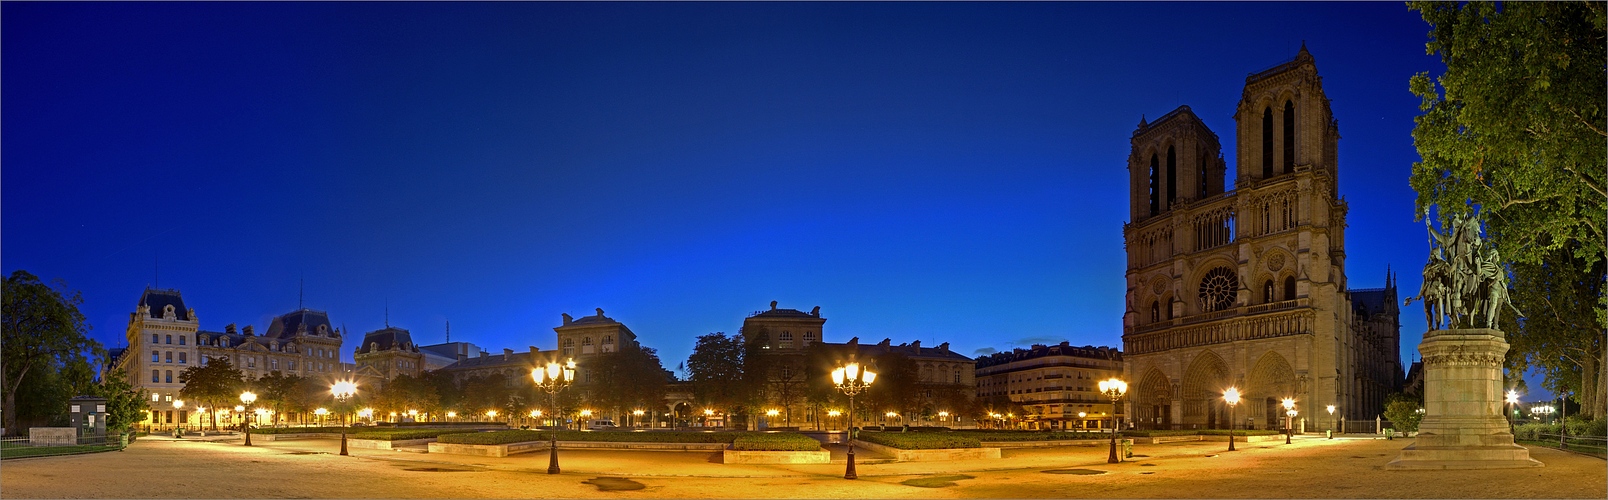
1240	432
921	440
1533	431
520	436
294	430
775	442
1019	436
403	434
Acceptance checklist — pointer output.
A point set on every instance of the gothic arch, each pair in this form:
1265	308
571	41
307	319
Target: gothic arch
1203	387
1153	402
1271	379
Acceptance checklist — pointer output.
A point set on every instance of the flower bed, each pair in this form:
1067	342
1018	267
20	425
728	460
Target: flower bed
920	440
775	442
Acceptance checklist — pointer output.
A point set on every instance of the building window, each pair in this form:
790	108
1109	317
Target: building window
156	357
586	345
181	340
1217	289
205	359
169	375
182	357
569	347
1267	142
1289	288
273	364
169	357
156	376
787	372
957	376
251	362
1155	312
1289	136
1172	176
155	339
786	340
809	337
169	339
1267	292
291	365
1155	187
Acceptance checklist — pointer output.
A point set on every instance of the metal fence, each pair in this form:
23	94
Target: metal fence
23	447
1596	445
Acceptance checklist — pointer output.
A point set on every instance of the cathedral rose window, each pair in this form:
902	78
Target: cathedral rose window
1217	289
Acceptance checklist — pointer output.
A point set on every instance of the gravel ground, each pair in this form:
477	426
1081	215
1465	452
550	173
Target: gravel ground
1310	468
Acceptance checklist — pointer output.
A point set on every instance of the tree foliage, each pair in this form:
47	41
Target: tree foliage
124	405
214	384
628	379
1516	127
41	330
716	371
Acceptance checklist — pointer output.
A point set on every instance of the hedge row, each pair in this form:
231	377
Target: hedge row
775	442
1533	431
1016	436
294	430
519	436
403	434
1237	432
921	440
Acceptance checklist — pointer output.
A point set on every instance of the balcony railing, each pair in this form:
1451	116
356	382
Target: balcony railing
1247	327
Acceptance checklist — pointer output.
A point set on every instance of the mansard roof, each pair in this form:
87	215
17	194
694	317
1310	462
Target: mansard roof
384	338
1039	351
288	325
914	351
157	299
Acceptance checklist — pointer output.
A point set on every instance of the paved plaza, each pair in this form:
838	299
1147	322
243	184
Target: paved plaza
1310	468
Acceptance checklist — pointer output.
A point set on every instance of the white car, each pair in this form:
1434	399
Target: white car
601	425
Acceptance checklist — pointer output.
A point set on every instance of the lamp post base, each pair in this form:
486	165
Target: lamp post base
848	473
552	456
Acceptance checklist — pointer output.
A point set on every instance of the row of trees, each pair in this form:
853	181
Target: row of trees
736	375
1514	129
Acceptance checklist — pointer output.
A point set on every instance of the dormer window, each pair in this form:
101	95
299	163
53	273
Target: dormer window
323	329
167	311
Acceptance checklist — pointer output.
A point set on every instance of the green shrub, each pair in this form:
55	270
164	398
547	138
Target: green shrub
402	434
775	442
1403	415
296	430
520	436
1160	432
921	440
1239	432
1021	436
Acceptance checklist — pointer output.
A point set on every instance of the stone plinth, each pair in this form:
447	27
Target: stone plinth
1463	427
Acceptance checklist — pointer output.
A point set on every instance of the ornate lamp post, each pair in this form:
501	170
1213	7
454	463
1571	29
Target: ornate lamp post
1083	425
551	379
321	412
178	405
636	418
1331	420
247	397
1232	397
851	380
834	414
343	391
1289	418
1114	388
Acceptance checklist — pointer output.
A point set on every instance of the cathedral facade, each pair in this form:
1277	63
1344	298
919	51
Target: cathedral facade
1246	288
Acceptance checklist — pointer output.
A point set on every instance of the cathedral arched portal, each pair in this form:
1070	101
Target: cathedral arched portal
1271	381
1204	383
1155	402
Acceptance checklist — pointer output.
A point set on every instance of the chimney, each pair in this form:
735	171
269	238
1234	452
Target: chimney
916	344
462	356
482	354
506	353
567	319
944	346
853	341
599	312
885	342
816	312
773	305
249	330
533	350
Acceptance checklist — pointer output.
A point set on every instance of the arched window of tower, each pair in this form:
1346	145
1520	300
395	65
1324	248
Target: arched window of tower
1289	137
1155	180
1289	288
1267	292
1267	142
1172	177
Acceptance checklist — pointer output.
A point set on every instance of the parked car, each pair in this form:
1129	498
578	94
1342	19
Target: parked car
601	425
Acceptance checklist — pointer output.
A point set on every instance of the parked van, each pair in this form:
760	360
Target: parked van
601	425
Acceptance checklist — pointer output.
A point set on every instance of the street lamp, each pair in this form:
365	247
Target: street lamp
851	380
413	415
1331	420
636	418
178	405
1289	418
1512	401
834	414
1114	388
1083	424
1232	397
343	391
247	397
551	379
321	413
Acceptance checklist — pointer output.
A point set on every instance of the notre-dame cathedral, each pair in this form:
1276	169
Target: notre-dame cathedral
1246	288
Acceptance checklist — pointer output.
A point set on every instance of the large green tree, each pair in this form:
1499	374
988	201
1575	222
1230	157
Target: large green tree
215	384
715	370
629	379
124	405
41	329
1515	128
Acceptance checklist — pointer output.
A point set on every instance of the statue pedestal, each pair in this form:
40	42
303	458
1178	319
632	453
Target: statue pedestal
1463	426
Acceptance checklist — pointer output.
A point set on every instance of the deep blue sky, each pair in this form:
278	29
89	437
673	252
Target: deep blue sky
943	172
